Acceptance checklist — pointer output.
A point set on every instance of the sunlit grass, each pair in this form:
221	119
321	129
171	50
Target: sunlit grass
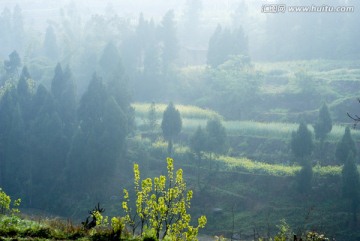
193	116
186	111
308	65
260	129
247	165
254	167
279	130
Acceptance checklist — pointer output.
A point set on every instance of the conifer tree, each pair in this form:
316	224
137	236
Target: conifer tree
345	147
216	137
324	124
25	94
169	39
198	142
98	143
351	184
12	65
152	119
50	46
110	61
225	43
302	142
171	125
302	147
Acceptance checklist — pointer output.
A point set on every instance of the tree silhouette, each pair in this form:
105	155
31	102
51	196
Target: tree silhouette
50	46
301	142
345	146
351	184
198	142
12	65
216	137
171	125
324	124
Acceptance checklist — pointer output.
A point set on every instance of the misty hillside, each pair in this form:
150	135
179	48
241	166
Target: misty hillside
257	102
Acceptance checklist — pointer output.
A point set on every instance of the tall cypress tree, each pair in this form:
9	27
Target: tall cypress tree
12	65
169	39
216	137
48	150
351	184
25	94
301	142
302	147
50	46
171	125
8	104
198	142
345	147
324	124
98	143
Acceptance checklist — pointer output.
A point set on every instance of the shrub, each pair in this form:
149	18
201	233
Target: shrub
5	202
161	205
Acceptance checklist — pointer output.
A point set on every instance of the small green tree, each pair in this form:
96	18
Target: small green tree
324	124
351	184
302	142
345	146
305	177
5	204
161	204
302	146
151	117
50	46
216	137
12	65
171	125
198	142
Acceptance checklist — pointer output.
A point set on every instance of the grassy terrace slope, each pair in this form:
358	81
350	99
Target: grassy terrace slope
194	116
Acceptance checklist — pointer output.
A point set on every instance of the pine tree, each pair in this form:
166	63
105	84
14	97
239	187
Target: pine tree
58	82
198	142
64	91
171	125
152	118
7	105
351	184
304	177
99	141
169	39
50	46
225	43
302	147
25	94
216	137
12	65
110	61
302	142
324	124
345	147
213	53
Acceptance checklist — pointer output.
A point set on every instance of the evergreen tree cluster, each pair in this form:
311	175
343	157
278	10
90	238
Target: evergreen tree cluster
150	52
54	147
302	146
224	43
212	139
